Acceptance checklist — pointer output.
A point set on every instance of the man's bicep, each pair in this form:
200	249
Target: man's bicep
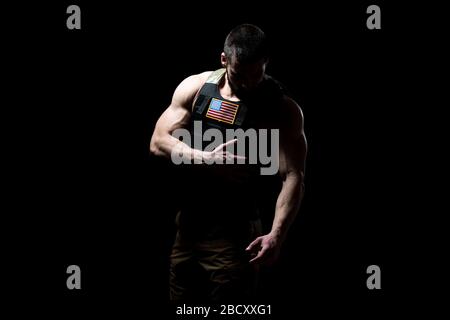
178	114
173	117
293	155
293	144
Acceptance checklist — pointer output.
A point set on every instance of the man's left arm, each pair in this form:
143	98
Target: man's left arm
293	148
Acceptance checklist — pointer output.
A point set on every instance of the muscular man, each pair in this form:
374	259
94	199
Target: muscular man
219	243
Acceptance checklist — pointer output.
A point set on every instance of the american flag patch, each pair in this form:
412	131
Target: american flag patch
222	110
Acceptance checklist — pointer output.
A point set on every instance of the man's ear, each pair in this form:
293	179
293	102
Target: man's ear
223	59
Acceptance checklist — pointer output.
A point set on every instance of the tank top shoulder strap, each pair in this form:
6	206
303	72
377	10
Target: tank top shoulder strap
209	88
216	76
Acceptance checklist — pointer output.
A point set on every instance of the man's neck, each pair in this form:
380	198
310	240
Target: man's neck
225	89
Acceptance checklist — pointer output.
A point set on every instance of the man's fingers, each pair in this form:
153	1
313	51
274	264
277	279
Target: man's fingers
228	155
253	244
260	256
228	143
231	156
223	145
239	157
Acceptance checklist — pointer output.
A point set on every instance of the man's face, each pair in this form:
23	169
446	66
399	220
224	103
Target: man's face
244	78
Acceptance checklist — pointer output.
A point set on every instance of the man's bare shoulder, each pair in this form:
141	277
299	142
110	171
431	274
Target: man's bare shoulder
292	113
187	90
291	108
197	80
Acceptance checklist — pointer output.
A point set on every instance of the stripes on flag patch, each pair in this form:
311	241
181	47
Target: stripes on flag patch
222	110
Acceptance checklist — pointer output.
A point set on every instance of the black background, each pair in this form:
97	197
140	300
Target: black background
83	189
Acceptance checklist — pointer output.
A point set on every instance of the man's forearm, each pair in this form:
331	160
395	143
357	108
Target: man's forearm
288	205
168	145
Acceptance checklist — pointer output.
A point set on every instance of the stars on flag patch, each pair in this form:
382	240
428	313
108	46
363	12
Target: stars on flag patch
221	110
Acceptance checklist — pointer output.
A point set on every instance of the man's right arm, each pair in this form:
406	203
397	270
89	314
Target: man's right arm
177	116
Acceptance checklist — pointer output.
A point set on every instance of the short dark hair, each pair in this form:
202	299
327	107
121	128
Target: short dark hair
247	43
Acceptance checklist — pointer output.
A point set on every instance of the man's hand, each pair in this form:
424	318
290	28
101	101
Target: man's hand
265	248
220	155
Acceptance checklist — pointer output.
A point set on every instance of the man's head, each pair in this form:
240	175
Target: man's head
245	56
